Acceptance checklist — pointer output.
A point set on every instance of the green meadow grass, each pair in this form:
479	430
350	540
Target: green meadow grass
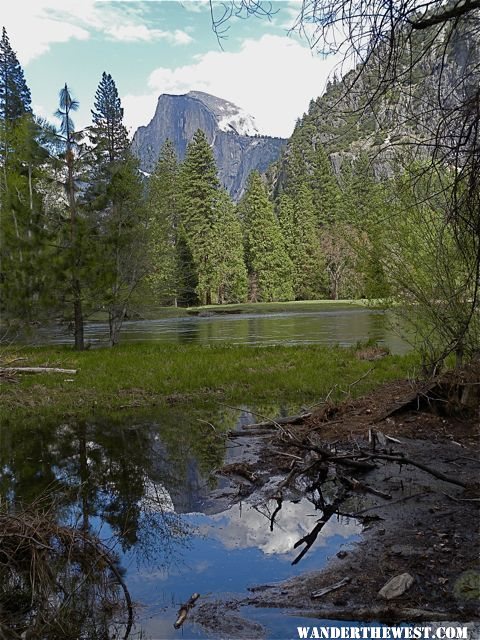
147	374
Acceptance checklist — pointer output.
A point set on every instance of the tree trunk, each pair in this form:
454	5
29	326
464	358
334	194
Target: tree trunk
78	317
115	321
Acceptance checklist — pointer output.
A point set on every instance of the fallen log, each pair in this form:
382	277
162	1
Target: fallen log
184	609
248	434
37	370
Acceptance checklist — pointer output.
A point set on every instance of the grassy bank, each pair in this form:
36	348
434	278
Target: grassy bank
298	306
141	375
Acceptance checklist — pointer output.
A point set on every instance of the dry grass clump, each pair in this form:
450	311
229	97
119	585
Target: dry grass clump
58	581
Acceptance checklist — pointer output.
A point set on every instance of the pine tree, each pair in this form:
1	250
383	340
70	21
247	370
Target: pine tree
75	255
269	267
199	190
22	228
307	258
108	134
115	201
15	99
298	159
365	208
326	192
232	284
286	219
165	269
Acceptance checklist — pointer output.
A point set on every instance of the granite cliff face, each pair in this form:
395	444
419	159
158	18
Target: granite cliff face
405	117
237	146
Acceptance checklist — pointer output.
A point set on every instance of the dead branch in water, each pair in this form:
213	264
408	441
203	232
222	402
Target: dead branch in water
401	459
323	592
184	609
310	538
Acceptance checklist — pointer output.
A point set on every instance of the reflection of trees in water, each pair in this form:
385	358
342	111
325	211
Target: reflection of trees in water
58	582
110	467
117	480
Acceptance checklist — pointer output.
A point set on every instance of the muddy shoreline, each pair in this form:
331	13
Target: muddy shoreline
414	522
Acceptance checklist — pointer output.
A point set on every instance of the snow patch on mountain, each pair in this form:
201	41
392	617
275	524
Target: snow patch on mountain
230	118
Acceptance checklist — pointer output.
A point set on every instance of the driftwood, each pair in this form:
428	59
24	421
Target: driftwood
246	434
274	514
36	370
357	485
297	419
401	459
184	609
346	460
241	469
323	592
408	401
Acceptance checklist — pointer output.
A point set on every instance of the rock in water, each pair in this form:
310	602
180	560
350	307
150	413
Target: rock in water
396	587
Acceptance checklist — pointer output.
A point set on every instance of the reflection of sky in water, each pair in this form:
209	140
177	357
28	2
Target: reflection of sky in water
140	484
246	526
233	550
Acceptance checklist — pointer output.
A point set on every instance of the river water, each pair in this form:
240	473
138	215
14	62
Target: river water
344	325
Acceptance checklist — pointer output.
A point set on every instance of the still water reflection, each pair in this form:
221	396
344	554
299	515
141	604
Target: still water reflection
144	485
339	325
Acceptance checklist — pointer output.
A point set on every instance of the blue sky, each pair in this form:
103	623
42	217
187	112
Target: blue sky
164	46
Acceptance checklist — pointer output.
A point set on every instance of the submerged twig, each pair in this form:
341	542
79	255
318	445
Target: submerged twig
184	609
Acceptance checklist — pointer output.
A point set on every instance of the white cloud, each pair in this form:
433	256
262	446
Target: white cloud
34	25
195	5
139	32
180	37
273	78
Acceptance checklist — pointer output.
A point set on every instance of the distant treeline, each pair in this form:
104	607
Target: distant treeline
82	231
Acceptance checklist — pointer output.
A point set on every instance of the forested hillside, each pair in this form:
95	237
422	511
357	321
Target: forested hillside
337	216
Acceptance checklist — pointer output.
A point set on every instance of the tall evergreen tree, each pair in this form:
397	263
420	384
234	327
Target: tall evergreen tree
115	200
326	192
269	266
232	283
199	190
166	275
108	133
75	256
365	208
286	219
307	258
22	229
15	99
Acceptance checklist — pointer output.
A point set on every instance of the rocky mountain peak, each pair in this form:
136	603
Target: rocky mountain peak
230	118
237	145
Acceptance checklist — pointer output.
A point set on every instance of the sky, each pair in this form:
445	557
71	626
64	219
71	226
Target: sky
165	46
